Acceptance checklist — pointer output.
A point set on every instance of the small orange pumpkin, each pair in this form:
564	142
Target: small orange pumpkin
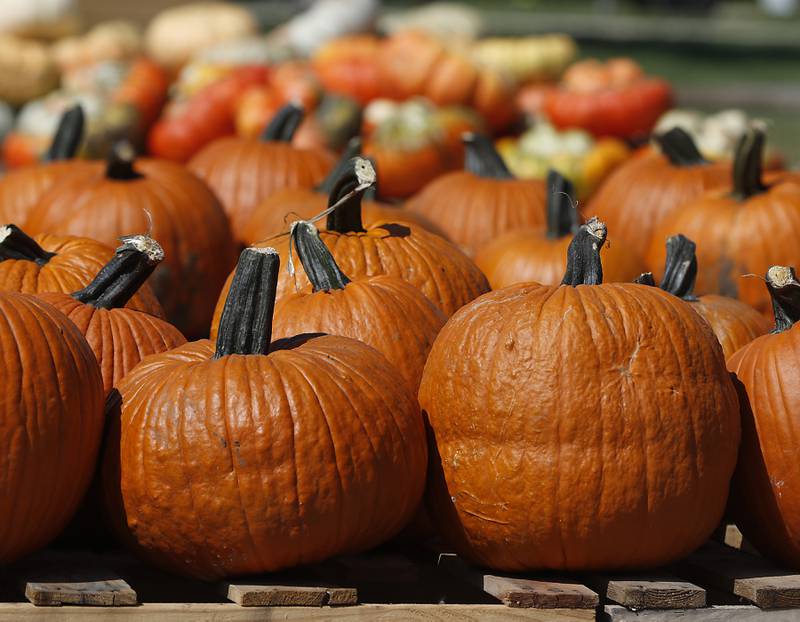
734	323
51	263
484	200
245	171
120	338
539	254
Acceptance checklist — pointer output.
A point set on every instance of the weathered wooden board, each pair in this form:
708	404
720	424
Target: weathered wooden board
718	613
249	595
656	592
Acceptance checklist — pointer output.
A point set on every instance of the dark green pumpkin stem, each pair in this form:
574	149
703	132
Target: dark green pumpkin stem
784	289
747	164
343	166
124	275
645	278
68	136
321	268
680	268
246	323
679	148
584	266
284	124
346	195
16	244
562	215
482	159
120	161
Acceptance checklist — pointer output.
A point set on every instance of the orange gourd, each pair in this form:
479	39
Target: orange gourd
572	422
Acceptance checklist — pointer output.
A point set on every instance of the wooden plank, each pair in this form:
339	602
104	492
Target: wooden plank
229	612
717	613
264	595
655	593
517	591
55	580
745	575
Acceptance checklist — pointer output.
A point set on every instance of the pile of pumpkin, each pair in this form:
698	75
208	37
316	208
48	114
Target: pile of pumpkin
361	379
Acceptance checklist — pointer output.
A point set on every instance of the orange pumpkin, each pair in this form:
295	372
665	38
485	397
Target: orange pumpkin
128	195
644	191
764	494
249	457
348	66
51	263
572	422
433	265
21	189
243	172
383	311
120	338
51	422
272	215
741	228
734	323
539	254
484	200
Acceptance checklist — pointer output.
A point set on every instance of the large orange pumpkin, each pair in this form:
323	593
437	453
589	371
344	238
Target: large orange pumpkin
734	323
765	487
484	200
247	457
383	311
741	228
428	262
120	338
51	421
245	171
273	214
21	189
573	422
539	254
644	191
128	195
52	263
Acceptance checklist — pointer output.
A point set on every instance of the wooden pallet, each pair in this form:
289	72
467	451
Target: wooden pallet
715	584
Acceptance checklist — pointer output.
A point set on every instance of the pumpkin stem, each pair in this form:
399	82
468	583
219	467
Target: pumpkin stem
562	216
584	266
784	289
284	124
16	244
246	324
679	148
321	268
645	278
747	163
346	196
68	136
482	159
121	278
343	166
680	268
120	161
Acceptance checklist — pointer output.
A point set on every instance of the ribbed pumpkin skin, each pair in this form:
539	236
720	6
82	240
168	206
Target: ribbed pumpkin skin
384	312
187	221
573	423
528	255
734	323
645	191
77	262
255	463
735	238
765	487
21	189
473	210
275	213
433	265
119	338
51	421
244	172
